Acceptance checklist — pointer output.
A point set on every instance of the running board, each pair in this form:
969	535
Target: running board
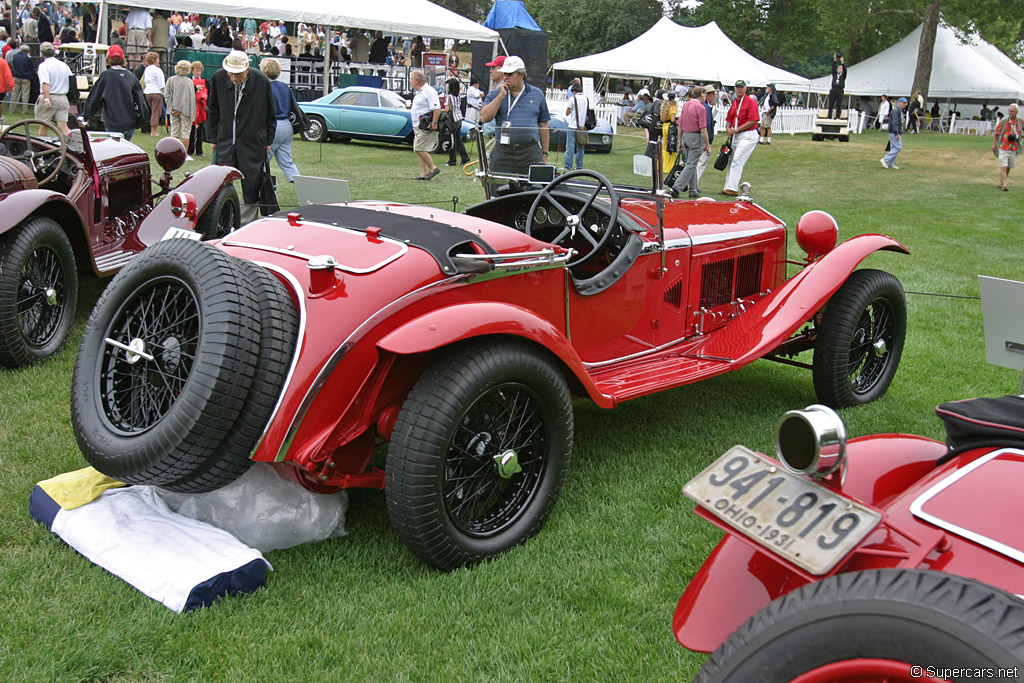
114	260
657	374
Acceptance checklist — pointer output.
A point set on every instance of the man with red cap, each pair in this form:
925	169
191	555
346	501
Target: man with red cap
496	76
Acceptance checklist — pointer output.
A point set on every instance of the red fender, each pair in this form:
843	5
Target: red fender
773	319
204	185
737	580
465	321
19	205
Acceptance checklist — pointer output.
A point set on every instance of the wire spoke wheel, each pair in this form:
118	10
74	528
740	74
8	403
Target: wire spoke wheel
149	354
869	351
478	453
495	460
860	339
38	291
42	294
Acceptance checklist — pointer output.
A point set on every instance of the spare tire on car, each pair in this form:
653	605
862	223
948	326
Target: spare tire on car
180	367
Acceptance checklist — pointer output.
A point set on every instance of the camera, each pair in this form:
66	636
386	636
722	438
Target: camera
1012	138
839	52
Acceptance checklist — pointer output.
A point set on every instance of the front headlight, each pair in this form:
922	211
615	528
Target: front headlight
606	139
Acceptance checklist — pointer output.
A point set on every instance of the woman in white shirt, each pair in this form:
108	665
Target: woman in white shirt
153	89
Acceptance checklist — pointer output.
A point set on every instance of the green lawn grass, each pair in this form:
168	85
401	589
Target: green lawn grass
591	597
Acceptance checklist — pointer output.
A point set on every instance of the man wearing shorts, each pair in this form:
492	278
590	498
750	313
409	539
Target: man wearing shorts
1006	144
54	81
425	102
139	34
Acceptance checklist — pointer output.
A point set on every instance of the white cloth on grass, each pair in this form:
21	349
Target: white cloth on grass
132	533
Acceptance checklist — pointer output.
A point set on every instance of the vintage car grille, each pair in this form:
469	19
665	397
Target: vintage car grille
730	279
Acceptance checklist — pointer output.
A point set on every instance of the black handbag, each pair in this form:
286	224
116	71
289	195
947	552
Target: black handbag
268	192
297	118
426	120
723	155
141	109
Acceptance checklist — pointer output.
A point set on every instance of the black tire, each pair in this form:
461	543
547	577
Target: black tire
279	328
844	138
38	291
194	311
816	138
221	216
922	618
467	401
860	339
316	131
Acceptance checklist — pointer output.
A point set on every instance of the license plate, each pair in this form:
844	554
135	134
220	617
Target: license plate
173	233
797	519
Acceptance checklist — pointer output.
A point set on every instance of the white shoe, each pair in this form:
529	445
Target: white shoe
884	165
895	167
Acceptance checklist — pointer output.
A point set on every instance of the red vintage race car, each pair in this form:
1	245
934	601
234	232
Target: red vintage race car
457	341
890	558
84	205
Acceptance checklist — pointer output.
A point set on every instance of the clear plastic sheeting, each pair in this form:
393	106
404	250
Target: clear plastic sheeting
266	511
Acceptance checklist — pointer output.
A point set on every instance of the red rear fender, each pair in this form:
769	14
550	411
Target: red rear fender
204	185
452	324
777	316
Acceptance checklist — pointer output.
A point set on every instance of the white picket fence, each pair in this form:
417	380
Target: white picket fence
790	120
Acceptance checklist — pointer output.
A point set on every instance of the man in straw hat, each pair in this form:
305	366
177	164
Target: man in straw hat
241	124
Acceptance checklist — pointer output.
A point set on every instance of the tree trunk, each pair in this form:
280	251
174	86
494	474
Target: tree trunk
926	50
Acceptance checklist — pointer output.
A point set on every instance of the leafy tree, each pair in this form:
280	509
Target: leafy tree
583	28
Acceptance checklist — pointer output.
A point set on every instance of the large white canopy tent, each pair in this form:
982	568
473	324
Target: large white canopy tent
704	54
397	17
973	71
393	17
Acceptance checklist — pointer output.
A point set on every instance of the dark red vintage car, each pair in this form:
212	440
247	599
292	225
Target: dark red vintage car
458	340
891	558
84	205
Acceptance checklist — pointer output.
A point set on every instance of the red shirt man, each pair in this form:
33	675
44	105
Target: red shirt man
742	113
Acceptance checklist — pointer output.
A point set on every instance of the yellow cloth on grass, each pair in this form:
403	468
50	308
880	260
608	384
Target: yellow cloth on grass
74	489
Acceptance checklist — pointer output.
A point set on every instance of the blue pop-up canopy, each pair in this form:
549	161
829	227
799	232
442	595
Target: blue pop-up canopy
510	14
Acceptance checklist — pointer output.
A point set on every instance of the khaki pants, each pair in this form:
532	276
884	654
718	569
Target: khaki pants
19	96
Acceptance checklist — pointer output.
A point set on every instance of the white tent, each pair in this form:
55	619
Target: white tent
668	50
975	71
393	17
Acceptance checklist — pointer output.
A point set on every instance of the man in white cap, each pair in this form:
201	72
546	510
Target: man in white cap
241	123
520	113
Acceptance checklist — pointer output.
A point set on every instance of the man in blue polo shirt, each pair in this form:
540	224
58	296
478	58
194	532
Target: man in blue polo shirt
520	113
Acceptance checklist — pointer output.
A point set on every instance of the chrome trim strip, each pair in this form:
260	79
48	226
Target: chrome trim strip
540	260
679	243
335	358
916	508
403	247
722	237
299	339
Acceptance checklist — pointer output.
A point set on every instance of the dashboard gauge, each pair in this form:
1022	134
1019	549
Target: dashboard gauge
541	216
591	218
521	220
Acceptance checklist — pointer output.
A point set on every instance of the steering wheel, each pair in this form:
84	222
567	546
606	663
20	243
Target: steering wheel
39	159
574	221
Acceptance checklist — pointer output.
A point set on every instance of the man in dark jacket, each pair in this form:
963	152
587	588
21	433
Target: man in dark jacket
241	124
895	134
835	94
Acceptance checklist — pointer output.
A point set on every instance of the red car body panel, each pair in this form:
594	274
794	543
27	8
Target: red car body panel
368	331
891	473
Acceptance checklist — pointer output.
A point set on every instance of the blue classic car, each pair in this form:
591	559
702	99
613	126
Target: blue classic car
361	113
598	140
